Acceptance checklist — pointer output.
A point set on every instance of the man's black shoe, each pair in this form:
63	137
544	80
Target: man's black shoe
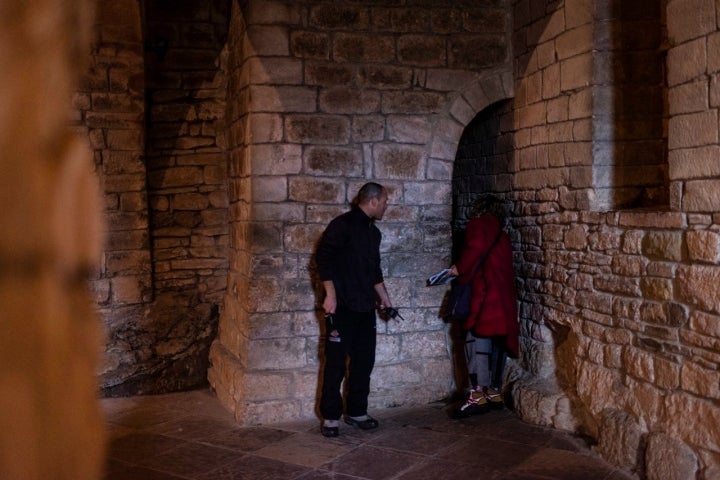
329	431
367	424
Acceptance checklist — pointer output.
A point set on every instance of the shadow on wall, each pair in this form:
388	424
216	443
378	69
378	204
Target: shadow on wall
159	340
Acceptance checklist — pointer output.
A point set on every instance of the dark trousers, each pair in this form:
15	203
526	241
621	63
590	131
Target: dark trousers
349	335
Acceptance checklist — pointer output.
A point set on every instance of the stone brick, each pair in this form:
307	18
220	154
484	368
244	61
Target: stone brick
693	130
274	70
412	102
689	163
267	40
686	62
620	437
175	177
667	458
652	219
308	44
269	189
422	50
385	76
477	51
699	380
663	245
576	72
366	128
278	353
574	42
703	246
282	99
190	201
705	324
317	129
701	196
404	129
333	161
364	48
320	73
274	159
398	161
315	190
349	100
697	286
124	183
688	98
345	17
688	19
656	288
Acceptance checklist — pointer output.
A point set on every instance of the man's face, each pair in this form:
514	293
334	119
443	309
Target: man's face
379	205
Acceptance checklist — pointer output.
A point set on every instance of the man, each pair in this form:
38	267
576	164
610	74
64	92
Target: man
348	260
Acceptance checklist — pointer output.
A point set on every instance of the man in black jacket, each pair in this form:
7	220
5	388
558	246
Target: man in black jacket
348	260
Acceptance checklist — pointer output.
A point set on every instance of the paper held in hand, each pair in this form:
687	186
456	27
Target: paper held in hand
443	277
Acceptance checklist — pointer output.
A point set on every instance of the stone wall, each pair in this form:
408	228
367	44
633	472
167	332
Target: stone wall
324	97
50	421
152	105
619	308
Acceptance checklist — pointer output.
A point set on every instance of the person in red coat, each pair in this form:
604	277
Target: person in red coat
492	326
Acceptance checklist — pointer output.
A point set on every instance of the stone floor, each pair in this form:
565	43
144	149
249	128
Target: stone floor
190	436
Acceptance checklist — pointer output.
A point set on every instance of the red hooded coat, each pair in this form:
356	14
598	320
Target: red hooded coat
493	306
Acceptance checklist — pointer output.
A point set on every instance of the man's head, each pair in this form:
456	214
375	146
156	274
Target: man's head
372	199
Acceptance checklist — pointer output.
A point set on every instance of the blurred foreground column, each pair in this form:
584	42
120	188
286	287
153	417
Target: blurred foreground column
50	235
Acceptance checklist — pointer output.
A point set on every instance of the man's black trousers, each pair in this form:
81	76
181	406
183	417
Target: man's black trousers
348	335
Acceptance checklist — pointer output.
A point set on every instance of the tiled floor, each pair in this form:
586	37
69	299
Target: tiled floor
190	436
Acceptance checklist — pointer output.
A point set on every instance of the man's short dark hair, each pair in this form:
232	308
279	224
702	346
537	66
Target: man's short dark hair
369	191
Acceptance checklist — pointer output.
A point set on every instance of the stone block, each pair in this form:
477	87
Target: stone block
422	50
688	19
340	17
667	458
333	161
413	130
267	40
302	238
315	190
364	48
318	129
310	44
478	51
686	62
412	102
689	98
275	159
697	286
269	189
346	100
277	353
281	99
574	42
367	128
399	161
703	246
128	290
693	130
388	349
701	196
701	381
327	74
621	438
576	72
274	70
190	201
260	387
689	163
